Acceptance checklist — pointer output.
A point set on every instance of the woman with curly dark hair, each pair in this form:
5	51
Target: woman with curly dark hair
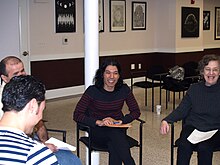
101	106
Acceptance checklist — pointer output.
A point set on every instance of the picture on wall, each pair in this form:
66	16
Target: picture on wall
65	16
101	15
190	22
217	23
117	15
206	20
138	15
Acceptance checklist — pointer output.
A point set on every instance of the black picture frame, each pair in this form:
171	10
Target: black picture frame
139	15
65	16
217	23
190	22
101	15
206	20
117	15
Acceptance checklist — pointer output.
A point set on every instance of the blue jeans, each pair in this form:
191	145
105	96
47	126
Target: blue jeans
65	157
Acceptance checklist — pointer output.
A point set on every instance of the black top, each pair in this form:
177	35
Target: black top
97	104
200	107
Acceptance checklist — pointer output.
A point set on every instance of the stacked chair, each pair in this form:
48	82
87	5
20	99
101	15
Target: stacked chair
191	76
153	78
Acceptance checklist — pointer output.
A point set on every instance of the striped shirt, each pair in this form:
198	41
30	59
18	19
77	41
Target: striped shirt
17	148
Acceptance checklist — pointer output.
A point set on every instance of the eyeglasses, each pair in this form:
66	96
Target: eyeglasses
214	70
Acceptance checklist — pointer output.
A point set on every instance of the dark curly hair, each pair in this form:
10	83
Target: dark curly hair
20	90
99	79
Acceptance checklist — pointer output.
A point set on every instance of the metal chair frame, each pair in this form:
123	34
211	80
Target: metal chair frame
92	147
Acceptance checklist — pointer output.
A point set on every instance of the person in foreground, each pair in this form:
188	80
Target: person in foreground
101	106
12	66
23	101
200	109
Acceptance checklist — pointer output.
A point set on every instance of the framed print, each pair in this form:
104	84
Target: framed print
65	15
117	15
217	23
101	15
190	22
138	15
206	20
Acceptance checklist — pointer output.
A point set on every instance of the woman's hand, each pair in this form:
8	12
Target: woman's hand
164	127
99	123
110	121
107	121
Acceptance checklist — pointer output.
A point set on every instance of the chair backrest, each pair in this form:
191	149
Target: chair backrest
191	68
154	70
175	85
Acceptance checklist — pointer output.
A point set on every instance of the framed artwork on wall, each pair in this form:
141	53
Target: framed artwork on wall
217	23
101	15
139	15
117	15
190	22
206	20
65	16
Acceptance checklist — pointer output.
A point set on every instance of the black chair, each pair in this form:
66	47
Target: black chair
59	131
63	132
191	75
175	142
191	72
175	86
86	140
155	73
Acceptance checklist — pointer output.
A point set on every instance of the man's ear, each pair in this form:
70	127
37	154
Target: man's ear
4	78
33	106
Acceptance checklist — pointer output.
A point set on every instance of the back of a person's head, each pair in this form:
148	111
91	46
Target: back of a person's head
12	59
20	90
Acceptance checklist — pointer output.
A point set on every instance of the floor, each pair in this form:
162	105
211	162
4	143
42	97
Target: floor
156	147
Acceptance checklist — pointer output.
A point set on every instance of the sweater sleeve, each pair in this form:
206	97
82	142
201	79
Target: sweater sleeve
80	113
181	111
133	108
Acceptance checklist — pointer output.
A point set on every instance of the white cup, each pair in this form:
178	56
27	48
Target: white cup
158	109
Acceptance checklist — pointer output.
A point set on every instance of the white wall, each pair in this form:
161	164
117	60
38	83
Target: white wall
208	35
165	25
188	44
9	31
163	33
46	44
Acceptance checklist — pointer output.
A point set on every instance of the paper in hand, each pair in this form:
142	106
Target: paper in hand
60	144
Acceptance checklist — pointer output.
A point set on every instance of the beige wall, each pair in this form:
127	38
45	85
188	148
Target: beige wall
208	35
163	32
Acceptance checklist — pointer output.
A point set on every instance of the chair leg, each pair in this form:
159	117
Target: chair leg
160	95
152	99
172	144
77	141
145	96
174	99
141	143
166	99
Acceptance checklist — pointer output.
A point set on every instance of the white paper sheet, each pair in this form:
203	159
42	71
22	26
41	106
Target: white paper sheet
60	144
197	136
